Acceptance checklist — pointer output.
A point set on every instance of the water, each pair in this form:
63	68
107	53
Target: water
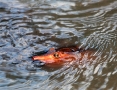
28	26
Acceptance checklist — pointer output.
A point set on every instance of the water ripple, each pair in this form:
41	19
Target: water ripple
28	26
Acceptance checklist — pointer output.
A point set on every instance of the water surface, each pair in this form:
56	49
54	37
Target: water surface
28	26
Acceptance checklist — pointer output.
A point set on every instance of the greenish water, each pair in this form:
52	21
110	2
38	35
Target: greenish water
28	26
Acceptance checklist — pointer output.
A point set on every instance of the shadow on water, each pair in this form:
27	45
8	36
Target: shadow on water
29	26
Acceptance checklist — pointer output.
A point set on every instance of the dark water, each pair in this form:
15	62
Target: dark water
28	26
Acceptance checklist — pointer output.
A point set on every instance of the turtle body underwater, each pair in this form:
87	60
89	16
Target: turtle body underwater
62	55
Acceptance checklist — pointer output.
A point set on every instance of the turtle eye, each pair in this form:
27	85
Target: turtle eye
56	55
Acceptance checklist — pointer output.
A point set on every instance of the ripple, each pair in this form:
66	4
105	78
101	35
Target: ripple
28	26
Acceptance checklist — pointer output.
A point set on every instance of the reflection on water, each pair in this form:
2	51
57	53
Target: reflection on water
28	26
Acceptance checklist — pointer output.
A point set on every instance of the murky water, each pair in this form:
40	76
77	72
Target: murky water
28	26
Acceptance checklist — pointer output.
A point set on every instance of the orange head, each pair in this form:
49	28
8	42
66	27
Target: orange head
53	56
